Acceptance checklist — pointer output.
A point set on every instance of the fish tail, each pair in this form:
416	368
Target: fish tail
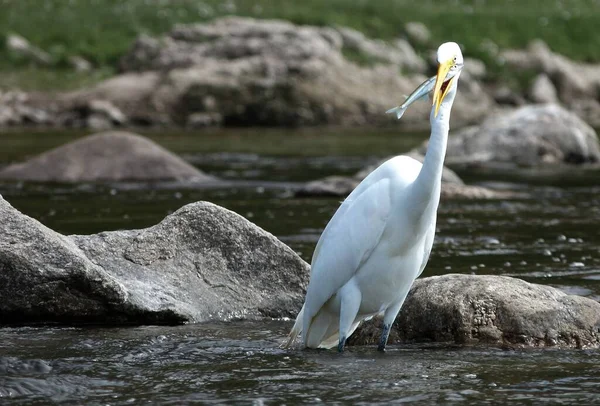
398	110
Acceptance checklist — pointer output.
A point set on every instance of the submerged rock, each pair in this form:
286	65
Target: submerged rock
201	263
528	136
105	157
486	309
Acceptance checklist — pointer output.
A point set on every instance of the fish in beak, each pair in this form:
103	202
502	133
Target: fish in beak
438	84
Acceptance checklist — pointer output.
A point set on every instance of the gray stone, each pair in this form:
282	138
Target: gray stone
202	120
506	96
259	73
201	263
329	186
19	45
105	157
574	80
273	72
474	69
108	110
529	136
542	90
452	186
417	32
491	310
80	64
448	175
588	110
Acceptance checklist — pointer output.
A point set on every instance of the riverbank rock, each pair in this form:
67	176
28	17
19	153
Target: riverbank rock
529	136
542	90
575	82
237	71
492	310
18	45
201	263
105	157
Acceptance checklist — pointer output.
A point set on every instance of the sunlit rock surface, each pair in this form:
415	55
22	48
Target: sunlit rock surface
492	310
576	83
201	263
243	71
105	157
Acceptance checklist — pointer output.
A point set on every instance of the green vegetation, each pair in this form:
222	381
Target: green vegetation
102	30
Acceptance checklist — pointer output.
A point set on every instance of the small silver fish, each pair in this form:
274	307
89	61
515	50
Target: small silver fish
421	91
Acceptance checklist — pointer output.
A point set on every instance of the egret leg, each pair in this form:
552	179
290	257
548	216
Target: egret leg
349	306
388	319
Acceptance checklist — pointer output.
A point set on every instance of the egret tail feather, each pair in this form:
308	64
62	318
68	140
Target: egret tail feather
295	332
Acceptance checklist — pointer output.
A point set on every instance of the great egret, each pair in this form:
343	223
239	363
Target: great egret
379	240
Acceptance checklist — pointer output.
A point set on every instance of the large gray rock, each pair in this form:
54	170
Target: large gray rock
255	72
201	263
486	309
107	156
528	136
241	71
576	83
573	80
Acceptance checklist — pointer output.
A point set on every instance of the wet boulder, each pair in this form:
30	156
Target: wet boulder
201	263
491	310
528	136
105	157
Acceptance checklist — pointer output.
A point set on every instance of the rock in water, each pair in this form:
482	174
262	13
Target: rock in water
452	186
105	157
201	263
44	277
489	309
528	136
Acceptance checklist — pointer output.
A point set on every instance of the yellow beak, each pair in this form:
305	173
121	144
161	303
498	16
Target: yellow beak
438	96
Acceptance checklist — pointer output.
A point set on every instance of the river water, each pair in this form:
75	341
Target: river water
549	236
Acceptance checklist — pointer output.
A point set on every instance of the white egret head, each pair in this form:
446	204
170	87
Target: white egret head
450	63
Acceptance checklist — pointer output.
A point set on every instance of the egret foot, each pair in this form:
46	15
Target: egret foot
384	337
341	344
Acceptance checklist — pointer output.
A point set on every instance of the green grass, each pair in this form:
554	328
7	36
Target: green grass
102	30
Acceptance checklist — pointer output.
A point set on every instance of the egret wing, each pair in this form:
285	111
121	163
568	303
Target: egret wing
348	240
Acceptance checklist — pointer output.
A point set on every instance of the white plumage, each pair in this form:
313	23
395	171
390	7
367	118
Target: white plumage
379	240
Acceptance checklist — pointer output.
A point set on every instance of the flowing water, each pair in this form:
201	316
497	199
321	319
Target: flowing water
549	236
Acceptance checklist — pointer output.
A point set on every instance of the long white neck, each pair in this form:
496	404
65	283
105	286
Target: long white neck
427	185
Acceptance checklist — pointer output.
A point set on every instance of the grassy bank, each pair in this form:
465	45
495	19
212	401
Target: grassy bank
102	30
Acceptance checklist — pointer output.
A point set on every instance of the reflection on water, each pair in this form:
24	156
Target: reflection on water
550	238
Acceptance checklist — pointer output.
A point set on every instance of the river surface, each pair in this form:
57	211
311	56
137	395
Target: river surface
550	236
